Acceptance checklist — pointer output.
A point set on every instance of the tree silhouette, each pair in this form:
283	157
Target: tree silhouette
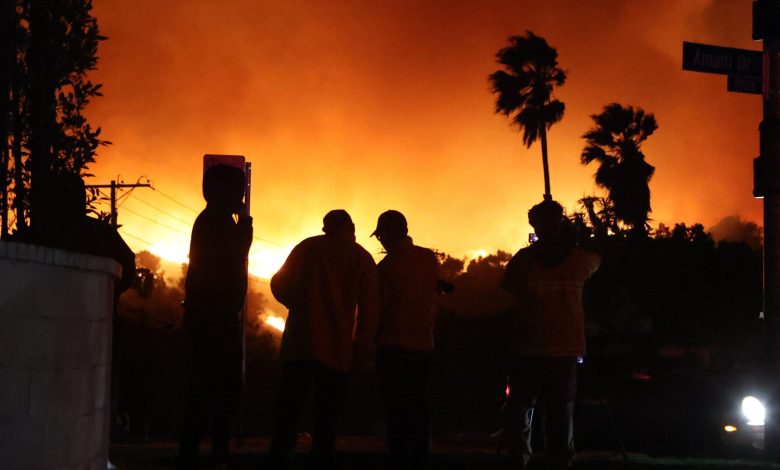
524	90
47	50
615	142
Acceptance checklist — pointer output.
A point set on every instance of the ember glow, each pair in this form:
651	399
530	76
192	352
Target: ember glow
369	106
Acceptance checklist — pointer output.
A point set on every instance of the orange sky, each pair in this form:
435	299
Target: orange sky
368	106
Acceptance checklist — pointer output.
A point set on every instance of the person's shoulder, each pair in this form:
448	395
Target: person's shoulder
591	259
361	251
205	218
423	250
310	243
313	240
583	253
525	253
363	255
523	258
425	253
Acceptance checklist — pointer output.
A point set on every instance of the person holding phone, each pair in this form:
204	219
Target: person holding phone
214	294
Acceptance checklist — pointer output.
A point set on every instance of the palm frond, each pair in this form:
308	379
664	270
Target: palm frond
552	112
593	152
509	89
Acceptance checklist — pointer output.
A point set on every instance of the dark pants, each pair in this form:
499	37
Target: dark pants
329	388
214	388
403	378
554	379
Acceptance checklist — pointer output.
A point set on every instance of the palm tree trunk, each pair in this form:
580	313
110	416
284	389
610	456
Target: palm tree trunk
545	165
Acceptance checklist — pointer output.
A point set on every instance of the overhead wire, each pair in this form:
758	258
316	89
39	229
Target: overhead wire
172	199
148	244
155	221
252	278
175	201
186	222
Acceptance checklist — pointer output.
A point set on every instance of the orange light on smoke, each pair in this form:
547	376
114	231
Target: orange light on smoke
275	322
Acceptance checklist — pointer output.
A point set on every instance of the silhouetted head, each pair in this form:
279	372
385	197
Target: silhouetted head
546	218
337	221
223	188
66	201
71	195
390	229
61	211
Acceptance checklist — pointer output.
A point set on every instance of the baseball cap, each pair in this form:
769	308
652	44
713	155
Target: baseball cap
390	221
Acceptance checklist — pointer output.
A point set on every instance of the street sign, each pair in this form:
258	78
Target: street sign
723	60
210	160
237	161
745	85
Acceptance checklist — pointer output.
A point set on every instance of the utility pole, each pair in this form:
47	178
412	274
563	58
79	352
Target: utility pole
766	27
114	186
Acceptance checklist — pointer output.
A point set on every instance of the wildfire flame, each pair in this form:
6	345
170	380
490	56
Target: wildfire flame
275	322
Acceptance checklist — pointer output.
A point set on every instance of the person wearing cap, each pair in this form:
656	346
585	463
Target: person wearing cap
325	280
408	280
214	293
548	328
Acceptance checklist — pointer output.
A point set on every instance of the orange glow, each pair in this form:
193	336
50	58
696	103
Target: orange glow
730	428
369	106
263	262
275	322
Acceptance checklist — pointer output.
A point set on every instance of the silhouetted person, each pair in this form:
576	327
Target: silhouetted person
325	280
408	282
548	334
214	294
63	223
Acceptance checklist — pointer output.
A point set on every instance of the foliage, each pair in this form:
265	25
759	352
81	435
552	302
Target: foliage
615	143
524	90
54	47
477	288
155	298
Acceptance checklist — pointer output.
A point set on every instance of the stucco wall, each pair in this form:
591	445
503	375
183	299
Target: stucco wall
55	357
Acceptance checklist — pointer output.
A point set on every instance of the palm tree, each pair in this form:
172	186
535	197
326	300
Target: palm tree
524	90
600	212
615	143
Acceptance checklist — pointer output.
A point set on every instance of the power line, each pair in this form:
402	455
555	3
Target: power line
114	186
175	201
193	210
188	223
148	244
155	221
268	241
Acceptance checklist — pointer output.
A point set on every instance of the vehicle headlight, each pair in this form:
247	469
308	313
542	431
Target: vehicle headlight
753	410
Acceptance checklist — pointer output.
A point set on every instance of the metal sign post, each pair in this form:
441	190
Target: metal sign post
766	27
247	204
237	161
759	73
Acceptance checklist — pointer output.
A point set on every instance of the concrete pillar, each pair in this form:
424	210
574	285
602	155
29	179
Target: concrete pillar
55	357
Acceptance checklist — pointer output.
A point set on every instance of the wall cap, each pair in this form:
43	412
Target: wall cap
29	253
